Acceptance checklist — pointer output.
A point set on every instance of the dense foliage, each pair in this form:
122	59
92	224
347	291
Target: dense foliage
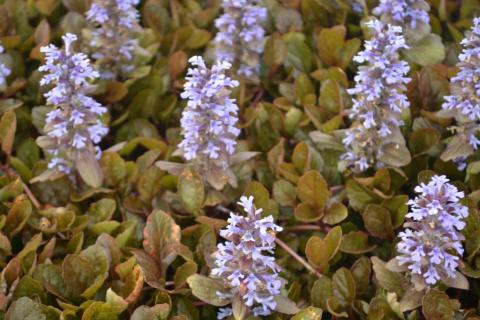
239	159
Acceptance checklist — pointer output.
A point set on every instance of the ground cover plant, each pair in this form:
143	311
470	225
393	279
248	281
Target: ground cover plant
239	159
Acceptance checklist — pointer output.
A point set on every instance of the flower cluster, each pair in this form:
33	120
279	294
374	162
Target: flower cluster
4	72
411	15
464	100
244	263
208	121
73	125
240	38
431	245
113	42
378	97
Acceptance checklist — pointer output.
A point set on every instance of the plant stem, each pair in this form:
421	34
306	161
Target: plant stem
305	227
27	190
297	257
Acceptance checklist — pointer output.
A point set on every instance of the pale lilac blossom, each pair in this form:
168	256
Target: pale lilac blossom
208	122
430	246
379	97
244	263
240	37
411	15
114	24
73	125
463	102
4	72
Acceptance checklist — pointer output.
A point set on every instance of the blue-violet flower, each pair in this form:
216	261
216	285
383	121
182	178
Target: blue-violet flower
379	98
411	15
113	41
208	121
464	101
240	37
74	124
245	263
4	72
431	244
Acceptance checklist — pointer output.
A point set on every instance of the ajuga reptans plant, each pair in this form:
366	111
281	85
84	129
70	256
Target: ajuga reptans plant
240	37
73	126
208	122
379	99
4	72
464	101
244	263
430	247
114	35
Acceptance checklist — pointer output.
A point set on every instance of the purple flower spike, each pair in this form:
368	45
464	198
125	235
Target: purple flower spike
244	261
240	37
74	123
4	72
208	121
379	97
465	94
113	39
408	14
431	245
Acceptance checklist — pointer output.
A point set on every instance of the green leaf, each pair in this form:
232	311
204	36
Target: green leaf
331	96
150	268
77	273
8	126
312	189
343	287
102	210
423	139
275	51
330	43
320	251
284	193
356	242
18	215
427	51
389	280
260	194
336	213
437	306
378	221
183	272
206	289
305	213
285	305
101	311
89	168
191	191
161	238
309	313
358	195
25	309
395	155
321	291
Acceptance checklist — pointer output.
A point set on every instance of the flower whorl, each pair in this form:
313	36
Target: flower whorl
112	40
464	100
73	125
379	98
4	72
240	37
431	245
208	121
244	262
411	15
